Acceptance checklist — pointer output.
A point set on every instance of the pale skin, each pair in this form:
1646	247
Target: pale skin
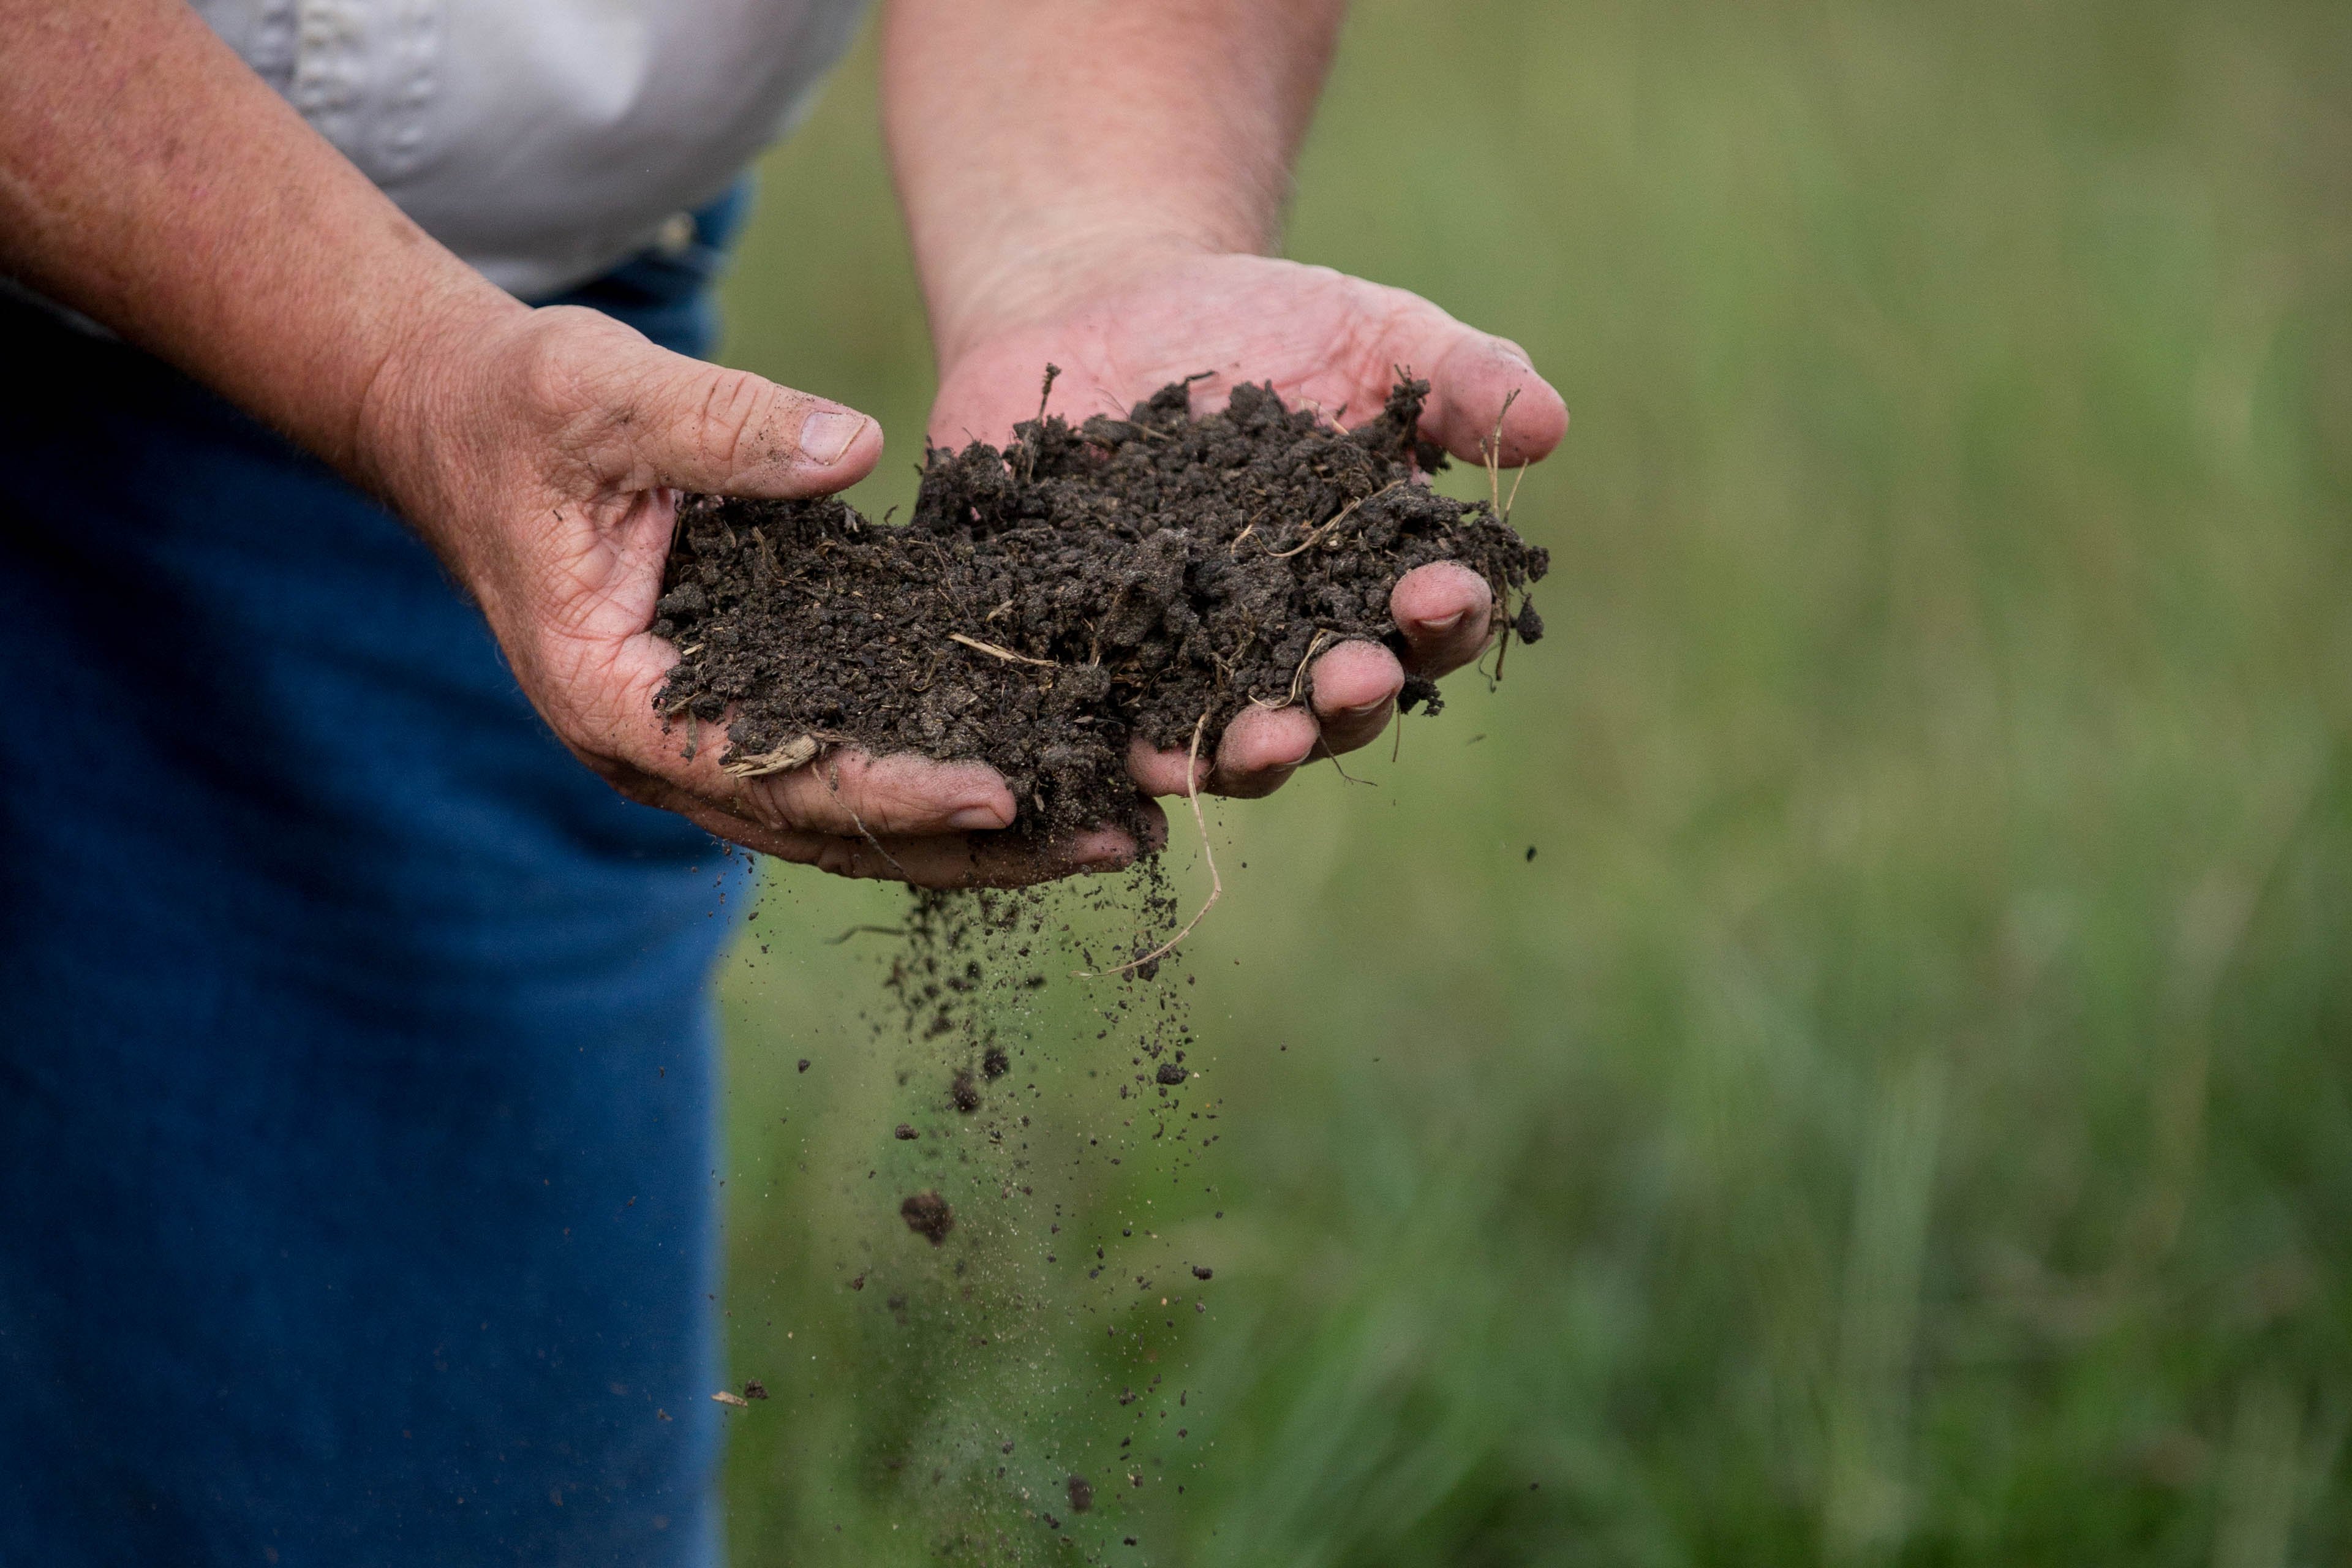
1088	182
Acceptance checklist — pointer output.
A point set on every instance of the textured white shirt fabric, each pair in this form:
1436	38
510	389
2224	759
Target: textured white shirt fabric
543	140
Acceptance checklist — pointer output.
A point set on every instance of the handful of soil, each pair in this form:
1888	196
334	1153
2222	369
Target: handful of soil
1047	602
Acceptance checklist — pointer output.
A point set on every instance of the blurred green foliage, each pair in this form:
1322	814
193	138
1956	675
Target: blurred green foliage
1899	1113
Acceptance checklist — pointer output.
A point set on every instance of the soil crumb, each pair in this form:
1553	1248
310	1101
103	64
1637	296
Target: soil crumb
1083	586
927	1214
1082	1494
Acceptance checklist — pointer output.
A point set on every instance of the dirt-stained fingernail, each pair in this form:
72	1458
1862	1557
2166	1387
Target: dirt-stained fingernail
978	819
827	434
1362	711
1442	627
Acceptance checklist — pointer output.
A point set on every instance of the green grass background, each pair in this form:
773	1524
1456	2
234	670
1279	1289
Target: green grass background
1901	1113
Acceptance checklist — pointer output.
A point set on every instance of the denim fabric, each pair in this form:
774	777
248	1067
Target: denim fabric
666	293
357	1099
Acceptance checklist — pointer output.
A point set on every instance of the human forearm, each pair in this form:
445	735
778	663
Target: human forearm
149	180
1036	143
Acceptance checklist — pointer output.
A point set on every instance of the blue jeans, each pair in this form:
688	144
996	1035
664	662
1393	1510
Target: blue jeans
357	1098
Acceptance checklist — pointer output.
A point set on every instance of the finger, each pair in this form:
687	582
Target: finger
961	860
692	426
843	792
1473	376
1260	748
901	794
979	860
1443	609
1162	773
1471	381
1355	686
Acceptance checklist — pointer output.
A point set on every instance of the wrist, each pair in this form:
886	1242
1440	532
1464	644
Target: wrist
1023	281
1042	150
401	417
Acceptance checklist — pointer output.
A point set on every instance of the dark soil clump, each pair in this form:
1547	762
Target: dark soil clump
1125	577
927	1214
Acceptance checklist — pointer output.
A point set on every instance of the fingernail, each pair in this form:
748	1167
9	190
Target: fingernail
1439	628
1365	710
977	819
826	435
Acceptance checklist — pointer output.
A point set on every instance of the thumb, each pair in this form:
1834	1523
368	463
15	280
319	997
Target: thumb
1480	386
1484	394
726	432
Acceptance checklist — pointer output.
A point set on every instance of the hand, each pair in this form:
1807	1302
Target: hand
1322	338
540	452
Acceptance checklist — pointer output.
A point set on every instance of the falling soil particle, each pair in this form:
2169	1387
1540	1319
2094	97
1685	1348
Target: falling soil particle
927	1214
996	1064
1082	1494
905	1133
964	1093
804	1064
1080	587
1201	1273
1170	1073
755	1390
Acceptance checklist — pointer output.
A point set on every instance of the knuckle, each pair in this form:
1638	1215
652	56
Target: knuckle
1375	332
739	419
573	371
840	857
759	800
551	371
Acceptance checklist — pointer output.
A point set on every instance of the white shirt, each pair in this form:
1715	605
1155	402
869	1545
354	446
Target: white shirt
543	140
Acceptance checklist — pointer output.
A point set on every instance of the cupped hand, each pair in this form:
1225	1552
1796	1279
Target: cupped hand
1323	338
541	453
